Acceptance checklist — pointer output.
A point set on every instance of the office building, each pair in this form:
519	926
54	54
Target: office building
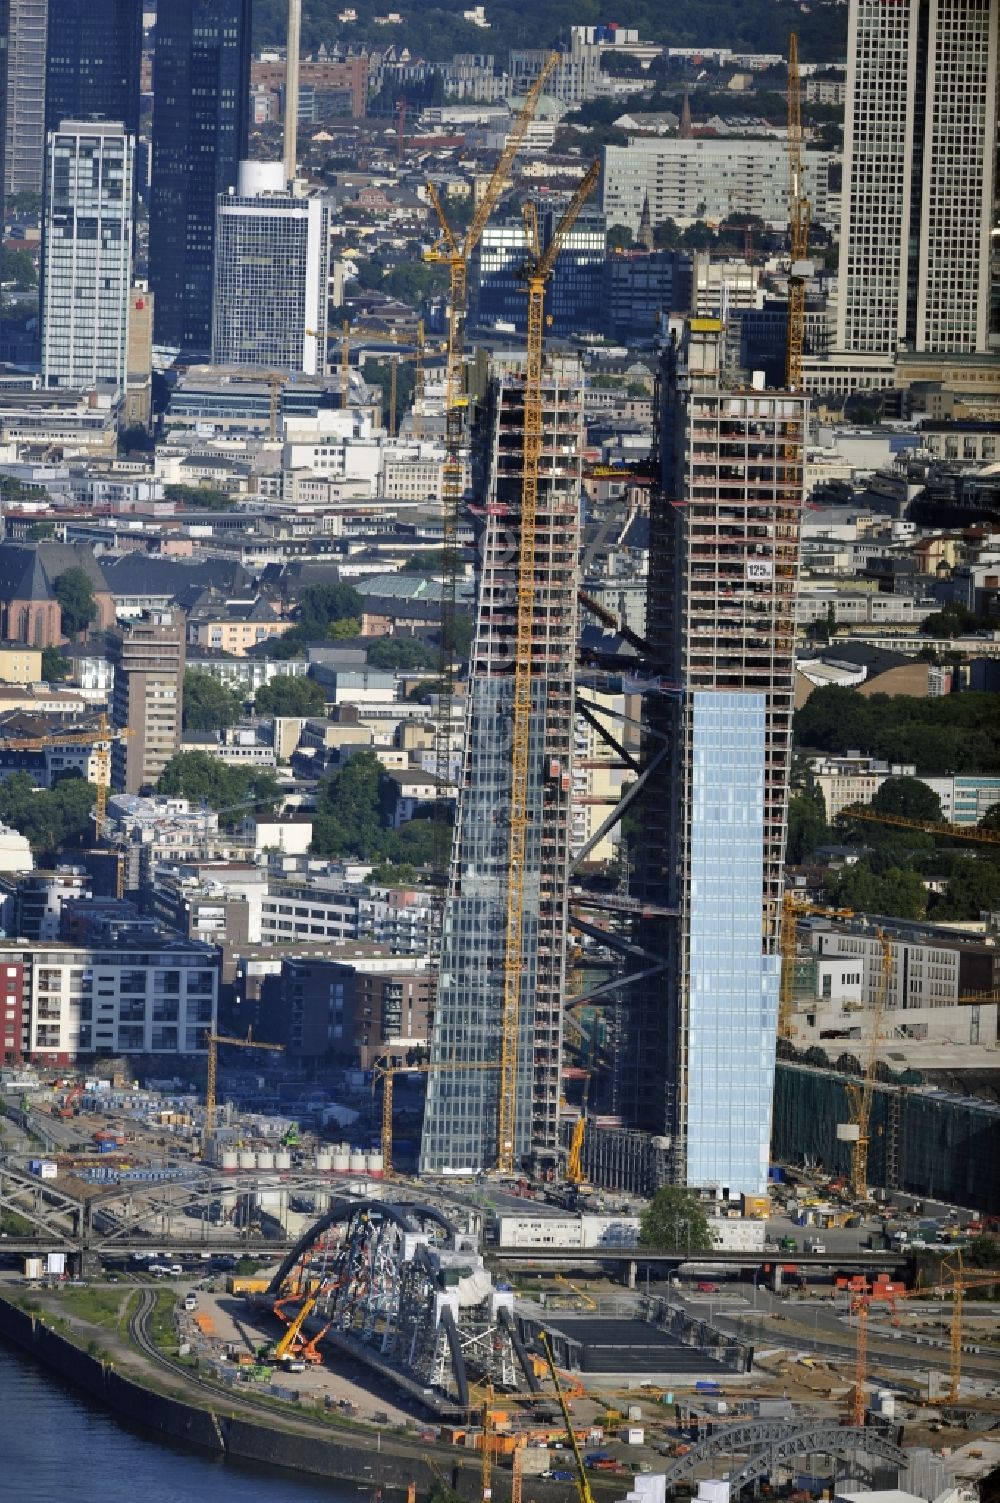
148	658
87	254
697	1066
92	62
920	178
574	299
200	126
4	40
271	272
24	120
709	178
639	286
461	1116
138	992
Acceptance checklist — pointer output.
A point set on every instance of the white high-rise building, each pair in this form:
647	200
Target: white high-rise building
272	266
920	177
88	254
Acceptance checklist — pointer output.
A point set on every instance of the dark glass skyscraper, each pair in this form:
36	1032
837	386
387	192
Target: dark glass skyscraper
201	106
92	62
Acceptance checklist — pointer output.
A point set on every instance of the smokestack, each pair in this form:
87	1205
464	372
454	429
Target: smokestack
292	90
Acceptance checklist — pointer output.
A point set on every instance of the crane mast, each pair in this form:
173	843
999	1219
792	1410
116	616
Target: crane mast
536	274
860	1096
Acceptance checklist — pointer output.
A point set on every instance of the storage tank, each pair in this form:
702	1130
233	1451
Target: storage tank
324	1163
230	1161
341	1161
248	1159
265	1158
283	1160
375	1165
356	1163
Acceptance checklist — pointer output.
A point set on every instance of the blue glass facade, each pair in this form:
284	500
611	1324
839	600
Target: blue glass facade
732	985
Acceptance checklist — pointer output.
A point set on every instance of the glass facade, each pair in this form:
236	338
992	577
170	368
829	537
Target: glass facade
92	62
200	127
732	987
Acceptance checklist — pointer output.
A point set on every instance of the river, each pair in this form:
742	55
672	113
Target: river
56	1446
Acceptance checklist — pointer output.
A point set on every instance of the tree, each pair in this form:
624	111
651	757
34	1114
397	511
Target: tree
990	820
675	1218
209	705
807	826
344	629
349	806
51	819
205	779
973	888
18	268
619	237
55	667
319	604
75	595
909	798
201	497
286	695
401	652
896	892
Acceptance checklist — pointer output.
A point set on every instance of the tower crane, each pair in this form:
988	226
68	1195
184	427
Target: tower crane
975	833
537	271
214	1040
860	1096
387	1073
800	268
582	1480
455	255
383	336
792	908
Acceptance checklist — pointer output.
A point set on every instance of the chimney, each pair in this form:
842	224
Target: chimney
292	90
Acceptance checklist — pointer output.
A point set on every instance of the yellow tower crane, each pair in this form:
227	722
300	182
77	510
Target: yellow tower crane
860	1096
976	833
455	254
387	1073
212	1074
537	272
792	908
582	1480
800	268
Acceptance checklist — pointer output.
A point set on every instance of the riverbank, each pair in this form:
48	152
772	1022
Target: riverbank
154	1399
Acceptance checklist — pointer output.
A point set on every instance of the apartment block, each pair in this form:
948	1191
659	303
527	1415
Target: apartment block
148	660
461	1121
141	994
352	1010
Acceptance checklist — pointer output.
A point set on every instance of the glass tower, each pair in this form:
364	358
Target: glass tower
461	1118
697	1062
92	62
200	125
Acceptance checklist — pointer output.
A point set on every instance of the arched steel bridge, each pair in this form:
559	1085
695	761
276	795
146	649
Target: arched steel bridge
401	1288
769	1444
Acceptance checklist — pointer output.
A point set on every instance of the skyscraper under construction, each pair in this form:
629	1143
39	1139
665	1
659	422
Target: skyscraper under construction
461	1121
699	1034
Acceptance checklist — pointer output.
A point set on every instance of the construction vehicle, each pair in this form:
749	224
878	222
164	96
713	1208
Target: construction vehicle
574	1165
537	271
800	268
857	1130
582	1480
448	251
214	1040
387	1074
975	833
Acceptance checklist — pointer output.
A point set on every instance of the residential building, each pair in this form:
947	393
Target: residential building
87	255
327	87
148	659
24	120
269	308
20	664
697	1066
920	178
708	178
143	993
200	129
352	1009
461	1121
92	62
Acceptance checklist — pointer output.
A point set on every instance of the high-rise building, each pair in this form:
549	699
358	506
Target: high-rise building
697	1065
4	41
92	62
272	267
87	254
200	126
24	121
461	1116
920	177
148	659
